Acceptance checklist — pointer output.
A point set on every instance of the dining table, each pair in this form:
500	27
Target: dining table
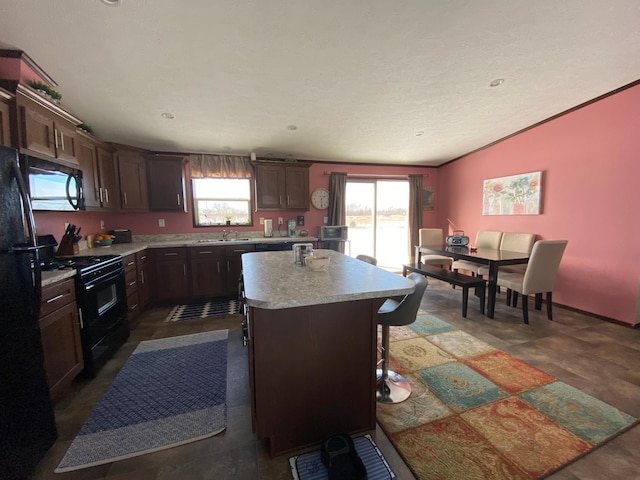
493	258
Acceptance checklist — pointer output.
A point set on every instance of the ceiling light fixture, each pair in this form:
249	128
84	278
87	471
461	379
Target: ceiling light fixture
112	3
497	82
292	127
168	116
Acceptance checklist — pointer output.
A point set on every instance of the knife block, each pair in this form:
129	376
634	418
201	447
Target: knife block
67	247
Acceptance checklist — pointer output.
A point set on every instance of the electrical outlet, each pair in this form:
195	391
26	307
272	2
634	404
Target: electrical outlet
66	225
280	221
300	220
261	220
326	220
101	224
161	222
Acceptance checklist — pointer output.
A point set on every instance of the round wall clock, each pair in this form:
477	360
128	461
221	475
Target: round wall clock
320	198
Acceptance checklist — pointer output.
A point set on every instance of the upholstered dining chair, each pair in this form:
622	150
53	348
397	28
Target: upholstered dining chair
513	242
368	259
392	387
433	236
484	239
540	275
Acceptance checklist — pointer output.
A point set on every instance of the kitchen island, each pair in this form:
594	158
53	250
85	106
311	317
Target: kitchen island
312	345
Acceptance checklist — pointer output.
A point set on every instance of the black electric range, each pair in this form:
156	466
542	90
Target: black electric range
101	299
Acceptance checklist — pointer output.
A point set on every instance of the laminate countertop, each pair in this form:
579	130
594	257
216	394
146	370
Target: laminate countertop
272	280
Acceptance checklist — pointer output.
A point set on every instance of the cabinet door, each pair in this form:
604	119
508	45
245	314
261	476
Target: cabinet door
131	285
66	142
297	181
166	184
270	187
88	160
5	125
144	290
37	131
133	181
170	279
108	174
208	271
234	266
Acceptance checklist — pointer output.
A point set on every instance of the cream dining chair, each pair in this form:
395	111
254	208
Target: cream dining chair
540	275
513	242
433	236
484	239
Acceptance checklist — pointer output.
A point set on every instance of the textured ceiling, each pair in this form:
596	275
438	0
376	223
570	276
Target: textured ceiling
358	78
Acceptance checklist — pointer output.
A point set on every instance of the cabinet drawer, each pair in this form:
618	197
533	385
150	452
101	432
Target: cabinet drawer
178	253
130	279
57	295
206	252
141	257
237	250
129	262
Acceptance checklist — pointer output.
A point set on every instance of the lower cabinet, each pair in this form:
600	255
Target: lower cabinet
60	335
131	284
170	280
144	287
196	272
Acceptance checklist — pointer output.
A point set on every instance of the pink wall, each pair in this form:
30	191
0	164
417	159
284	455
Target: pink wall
590	163
147	223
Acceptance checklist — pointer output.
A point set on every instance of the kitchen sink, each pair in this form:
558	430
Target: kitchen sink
222	240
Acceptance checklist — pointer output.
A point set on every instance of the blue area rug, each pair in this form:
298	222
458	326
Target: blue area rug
308	466
170	392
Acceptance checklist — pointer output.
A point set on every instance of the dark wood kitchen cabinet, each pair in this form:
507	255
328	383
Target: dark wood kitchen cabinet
282	186
5	119
109	189
233	260
132	173
166	184
170	277
144	288
208	271
88	160
45	128
60	335
131	285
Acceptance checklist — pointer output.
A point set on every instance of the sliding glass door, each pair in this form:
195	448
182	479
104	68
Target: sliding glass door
377	216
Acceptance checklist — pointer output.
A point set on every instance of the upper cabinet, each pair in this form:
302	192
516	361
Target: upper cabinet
5	120
99	173
45	129
166	184
282	186
133	180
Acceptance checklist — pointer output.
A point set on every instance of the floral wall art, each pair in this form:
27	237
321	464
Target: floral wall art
513	195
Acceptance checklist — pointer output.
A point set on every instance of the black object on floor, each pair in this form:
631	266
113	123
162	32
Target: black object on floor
339	455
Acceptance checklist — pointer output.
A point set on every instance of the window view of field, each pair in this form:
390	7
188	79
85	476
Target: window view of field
376	214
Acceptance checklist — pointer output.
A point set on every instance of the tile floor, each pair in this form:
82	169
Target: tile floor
600	358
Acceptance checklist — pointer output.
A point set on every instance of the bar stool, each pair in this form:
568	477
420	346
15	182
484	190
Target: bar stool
392	387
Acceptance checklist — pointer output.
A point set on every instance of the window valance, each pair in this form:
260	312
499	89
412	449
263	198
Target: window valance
220	166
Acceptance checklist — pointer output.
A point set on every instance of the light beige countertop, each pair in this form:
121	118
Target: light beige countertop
142	242
272	280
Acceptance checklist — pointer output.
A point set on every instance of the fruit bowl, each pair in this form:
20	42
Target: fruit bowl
104	243
317	263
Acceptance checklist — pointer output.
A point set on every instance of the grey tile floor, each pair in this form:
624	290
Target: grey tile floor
600	358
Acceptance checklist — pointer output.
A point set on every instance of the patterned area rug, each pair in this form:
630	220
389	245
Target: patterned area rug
308	466
476	412
214	308
170	392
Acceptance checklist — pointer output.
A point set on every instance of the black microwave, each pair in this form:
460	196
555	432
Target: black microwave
53	186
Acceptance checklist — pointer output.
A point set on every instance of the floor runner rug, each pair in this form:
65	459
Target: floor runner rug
214	308
476	412
170	392
308	466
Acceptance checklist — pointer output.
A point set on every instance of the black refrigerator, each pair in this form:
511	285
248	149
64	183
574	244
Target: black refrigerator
27	424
